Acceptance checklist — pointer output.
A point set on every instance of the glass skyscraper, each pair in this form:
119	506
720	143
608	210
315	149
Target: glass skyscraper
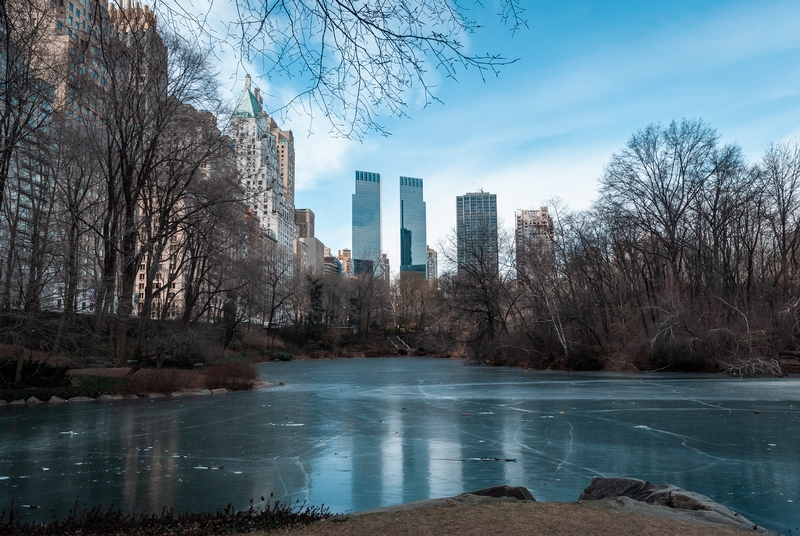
476	230
413	242
367	222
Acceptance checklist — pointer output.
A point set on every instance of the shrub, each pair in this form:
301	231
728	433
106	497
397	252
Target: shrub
228	521
92	386
160	381
230	375
279	355
34	374
587	358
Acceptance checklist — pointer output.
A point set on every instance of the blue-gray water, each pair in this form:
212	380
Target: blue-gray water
364	433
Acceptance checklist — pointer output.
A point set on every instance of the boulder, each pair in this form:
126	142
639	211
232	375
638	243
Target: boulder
3	402
20	402
81	399
156	395
694	505
33	400
219	391
110	397
519	493
56	400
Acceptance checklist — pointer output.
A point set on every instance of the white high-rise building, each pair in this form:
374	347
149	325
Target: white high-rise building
256	142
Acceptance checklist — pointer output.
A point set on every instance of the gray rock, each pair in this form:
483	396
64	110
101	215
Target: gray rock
56	400
176	393
219	391
33	400
694	506
519	493
81	399
156	395
108	397
3	402
131	396
19	402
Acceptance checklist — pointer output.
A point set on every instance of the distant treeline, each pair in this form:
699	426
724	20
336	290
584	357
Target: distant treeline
688	260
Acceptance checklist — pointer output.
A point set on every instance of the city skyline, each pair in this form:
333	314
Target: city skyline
588	77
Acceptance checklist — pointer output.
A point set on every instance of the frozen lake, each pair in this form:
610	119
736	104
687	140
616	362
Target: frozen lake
363	433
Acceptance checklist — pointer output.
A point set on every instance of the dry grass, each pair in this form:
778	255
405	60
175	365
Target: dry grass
147	381
533	519
231	376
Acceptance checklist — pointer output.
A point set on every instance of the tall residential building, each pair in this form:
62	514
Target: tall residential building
367	222
433	264
386	271
533	231
346	259
413	240
476	230
309	250
304	222
256	144
284	153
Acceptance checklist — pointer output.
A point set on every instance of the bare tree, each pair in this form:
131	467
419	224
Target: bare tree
352	60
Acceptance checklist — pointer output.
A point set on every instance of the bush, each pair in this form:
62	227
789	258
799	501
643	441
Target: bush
227	521
279	355
588	358
230	375
34	374
92	386
161	381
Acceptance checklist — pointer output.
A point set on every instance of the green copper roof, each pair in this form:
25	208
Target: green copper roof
248	105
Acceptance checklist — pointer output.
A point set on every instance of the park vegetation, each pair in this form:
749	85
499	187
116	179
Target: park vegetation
124	237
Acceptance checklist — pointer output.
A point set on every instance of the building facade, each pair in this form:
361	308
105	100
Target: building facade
476	231
345	258
533	232
413	239
304	222
433	264
255	139
367	222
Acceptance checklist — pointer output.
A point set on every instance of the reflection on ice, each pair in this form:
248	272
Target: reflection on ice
411	430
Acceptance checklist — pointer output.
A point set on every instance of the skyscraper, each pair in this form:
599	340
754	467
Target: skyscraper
533	233
413	256
476	230
255	138
433	264
367	222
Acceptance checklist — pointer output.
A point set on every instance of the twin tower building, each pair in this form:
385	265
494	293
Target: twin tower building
415	256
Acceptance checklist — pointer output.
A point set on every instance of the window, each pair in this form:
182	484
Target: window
70	6
141	277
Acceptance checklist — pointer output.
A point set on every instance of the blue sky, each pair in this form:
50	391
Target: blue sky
589	75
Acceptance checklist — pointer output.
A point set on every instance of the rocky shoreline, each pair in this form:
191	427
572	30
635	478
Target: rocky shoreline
626	499
32	401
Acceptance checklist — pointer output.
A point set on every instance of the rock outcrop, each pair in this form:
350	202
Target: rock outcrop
519	493
681	504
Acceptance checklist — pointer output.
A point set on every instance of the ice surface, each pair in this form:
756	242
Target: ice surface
360	434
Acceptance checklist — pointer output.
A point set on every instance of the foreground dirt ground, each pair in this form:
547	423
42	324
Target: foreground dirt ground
534	519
